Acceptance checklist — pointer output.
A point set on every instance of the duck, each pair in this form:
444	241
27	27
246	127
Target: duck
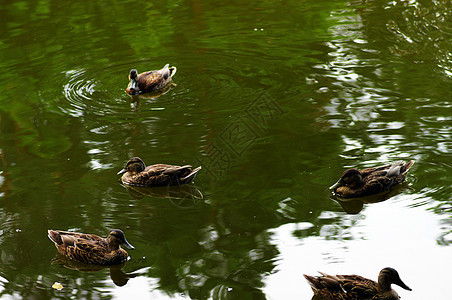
356	183
135	173
90	248
149	81
353	287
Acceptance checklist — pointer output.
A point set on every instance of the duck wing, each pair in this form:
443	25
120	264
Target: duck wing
68	238
149	79
378	184
91	246
170	170
161	174
393	169
382	170
324	282
360	287
399	168
165	72
154	77
88	251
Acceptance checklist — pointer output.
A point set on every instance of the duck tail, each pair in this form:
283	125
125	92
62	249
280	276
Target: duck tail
329	282
168	72
190	177
54	236
173	71
407	167
312	281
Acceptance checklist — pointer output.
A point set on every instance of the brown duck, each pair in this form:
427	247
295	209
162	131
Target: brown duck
355	183
136	173
354	287
90	248
149	81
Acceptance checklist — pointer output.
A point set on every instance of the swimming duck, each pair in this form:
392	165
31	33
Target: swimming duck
90	248
353	287
355	183
136	173
149	81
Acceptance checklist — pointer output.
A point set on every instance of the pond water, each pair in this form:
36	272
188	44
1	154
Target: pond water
273	99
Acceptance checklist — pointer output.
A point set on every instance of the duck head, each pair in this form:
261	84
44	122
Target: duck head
388	276
116	237
134	165
132	88
351	178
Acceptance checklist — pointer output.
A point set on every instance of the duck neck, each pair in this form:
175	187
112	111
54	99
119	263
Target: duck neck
112	244
384	283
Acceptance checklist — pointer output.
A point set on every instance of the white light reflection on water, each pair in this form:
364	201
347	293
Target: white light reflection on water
391	234
3	281
140	287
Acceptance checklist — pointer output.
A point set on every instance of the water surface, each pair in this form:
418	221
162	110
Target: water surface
273	100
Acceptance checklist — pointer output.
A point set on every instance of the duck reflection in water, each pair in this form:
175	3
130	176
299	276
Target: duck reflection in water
356	183
181	196
117	275
135	100
354	205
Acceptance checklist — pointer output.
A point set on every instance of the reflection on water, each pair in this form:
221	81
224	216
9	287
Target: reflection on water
135	100
183	196
86	93
78	86
355	205
116	274
348	83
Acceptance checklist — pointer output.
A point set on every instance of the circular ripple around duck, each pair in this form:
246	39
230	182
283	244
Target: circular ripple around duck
78	90
83	94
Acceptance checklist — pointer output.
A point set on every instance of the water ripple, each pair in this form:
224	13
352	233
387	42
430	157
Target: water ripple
78	86
85	94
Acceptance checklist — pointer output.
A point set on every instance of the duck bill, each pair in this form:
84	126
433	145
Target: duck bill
334	186
121	172
132	87
403	285
133	84
128	245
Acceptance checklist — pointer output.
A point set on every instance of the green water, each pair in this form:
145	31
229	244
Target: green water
273	99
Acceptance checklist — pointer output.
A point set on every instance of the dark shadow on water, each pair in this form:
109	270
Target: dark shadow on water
183	196
243	283
119	277
354	206
135	100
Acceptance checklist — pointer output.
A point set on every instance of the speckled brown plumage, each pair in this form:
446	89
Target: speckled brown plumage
136	173
90	248
354	287
149	81
355	183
